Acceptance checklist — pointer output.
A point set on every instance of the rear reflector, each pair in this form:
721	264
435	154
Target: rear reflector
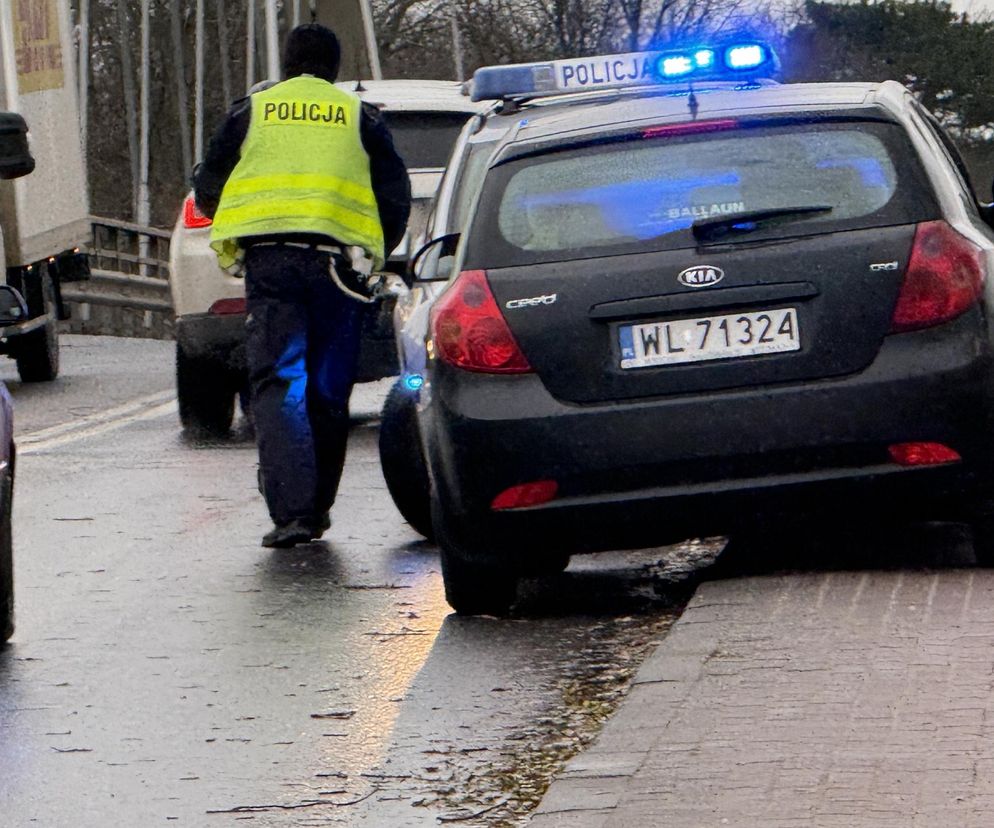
227	307
470	332
692	128
945	277
525	494
192	217
922	454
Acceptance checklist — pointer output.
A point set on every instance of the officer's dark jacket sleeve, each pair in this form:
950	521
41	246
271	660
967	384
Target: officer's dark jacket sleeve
223	154
389	176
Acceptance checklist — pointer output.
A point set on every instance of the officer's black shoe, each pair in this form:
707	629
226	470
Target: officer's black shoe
322	523
290	534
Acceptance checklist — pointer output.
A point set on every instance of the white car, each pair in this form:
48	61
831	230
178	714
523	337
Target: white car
425	118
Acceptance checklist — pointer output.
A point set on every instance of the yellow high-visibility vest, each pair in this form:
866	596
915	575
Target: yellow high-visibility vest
303	169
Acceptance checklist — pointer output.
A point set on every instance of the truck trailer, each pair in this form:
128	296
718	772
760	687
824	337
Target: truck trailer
44	206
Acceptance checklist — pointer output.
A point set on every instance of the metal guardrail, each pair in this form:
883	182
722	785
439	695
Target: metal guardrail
119	290
123	247
129	275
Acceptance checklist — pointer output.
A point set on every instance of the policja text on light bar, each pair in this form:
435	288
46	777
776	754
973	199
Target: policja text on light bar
634	68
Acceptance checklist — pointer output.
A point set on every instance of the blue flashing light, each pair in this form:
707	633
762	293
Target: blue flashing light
675	66
745	56
414	382
704	58
733	60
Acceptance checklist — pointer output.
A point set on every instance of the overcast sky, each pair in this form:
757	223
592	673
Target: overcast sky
974	6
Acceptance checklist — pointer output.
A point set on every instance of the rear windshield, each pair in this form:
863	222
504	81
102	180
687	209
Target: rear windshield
425	139
629	195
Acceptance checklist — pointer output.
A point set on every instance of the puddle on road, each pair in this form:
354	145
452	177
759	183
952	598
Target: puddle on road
479	746
504	791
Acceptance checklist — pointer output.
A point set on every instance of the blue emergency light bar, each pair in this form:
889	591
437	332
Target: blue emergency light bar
740	61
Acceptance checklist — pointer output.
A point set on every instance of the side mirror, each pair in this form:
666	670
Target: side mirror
13	308
434	261
15	156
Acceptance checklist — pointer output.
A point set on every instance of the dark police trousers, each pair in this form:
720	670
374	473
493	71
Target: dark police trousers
302	347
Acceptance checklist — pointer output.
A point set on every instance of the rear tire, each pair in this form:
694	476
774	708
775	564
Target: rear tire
206	396
6	557
402	460
473	588
473	585
37	353
542	566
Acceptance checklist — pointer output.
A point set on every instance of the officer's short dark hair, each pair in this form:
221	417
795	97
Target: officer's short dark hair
312	49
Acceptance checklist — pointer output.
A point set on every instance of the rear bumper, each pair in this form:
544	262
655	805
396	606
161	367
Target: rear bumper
657	516
646	472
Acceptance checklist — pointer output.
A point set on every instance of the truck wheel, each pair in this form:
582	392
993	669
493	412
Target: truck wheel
6	558
402	461
37	353
206	396
473	585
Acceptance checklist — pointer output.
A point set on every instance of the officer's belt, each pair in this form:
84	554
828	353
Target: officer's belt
323	248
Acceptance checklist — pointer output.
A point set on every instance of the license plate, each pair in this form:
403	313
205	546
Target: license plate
709	337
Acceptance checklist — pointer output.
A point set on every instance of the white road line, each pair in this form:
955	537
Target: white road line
101	422
98	416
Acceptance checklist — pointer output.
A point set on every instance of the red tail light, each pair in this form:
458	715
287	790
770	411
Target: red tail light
922	454
945	277
470	332
192	217
526	494
227	307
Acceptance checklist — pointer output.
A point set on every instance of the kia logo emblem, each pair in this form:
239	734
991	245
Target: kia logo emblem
701	276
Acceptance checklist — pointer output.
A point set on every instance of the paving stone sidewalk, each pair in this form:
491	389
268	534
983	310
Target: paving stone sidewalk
838	699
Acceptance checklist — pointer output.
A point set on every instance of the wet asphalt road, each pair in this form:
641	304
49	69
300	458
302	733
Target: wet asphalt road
168	670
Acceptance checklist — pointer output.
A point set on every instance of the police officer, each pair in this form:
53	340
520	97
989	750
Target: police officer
308	193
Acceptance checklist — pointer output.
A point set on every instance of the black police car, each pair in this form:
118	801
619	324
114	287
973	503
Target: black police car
685	306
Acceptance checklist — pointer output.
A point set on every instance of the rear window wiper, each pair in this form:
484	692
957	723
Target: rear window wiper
748	221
